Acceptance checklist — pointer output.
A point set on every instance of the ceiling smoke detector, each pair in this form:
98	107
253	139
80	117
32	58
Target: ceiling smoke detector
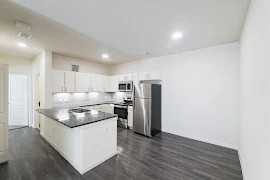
24	35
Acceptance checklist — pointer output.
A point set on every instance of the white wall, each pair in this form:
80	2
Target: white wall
64	63
200	92
80	98
18	65
254	146
42	65
46	79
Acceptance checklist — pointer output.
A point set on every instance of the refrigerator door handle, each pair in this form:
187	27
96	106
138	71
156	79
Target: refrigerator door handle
133	98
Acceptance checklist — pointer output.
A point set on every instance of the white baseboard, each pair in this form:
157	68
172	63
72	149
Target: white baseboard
230	146
242	167
92	165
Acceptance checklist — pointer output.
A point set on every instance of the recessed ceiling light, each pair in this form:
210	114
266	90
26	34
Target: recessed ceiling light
176	35
22	45
105	56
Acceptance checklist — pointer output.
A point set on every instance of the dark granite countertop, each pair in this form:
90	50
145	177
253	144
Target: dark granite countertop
73	120
98	103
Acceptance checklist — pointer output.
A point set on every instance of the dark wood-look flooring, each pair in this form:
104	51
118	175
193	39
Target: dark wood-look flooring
10	128
163	157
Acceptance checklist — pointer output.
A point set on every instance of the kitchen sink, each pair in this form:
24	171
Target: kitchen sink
79	110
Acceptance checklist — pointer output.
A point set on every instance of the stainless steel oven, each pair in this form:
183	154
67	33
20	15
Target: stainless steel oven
125	86
122	112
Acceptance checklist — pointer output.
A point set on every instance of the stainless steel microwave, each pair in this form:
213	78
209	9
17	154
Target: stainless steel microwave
125	86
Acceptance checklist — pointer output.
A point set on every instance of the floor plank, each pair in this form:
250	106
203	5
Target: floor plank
162	157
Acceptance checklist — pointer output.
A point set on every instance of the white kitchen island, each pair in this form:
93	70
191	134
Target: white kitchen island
85	141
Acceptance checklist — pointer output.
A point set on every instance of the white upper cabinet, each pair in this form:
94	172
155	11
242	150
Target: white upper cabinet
63	81
69	82
154	75
58	81
111	83
97	83
82	82
125	77
135	78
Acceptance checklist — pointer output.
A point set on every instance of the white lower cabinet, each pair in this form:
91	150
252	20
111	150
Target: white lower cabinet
130	117
109	108
78	146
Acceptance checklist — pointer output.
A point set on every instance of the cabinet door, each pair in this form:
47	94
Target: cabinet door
106	80
125	77
130	117
97	83
111	84
82	82
135	78
58	81
154	75
69	82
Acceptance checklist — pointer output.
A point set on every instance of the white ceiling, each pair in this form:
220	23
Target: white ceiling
127	29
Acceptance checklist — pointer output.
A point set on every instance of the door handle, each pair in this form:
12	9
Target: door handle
66	89
62	89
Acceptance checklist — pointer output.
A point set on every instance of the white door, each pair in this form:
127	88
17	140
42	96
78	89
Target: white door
70	82
18	102
82	84
3	113
58	81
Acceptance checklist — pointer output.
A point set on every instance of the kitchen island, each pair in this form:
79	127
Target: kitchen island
84	139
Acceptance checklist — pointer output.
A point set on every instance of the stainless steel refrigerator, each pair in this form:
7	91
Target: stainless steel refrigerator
147	109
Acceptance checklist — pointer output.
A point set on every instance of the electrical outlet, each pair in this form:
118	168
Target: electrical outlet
105	97
60	100
113	97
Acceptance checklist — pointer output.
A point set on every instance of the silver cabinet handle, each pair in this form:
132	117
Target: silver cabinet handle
62	89
66	89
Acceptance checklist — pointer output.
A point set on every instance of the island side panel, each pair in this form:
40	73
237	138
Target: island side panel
99	143
67	141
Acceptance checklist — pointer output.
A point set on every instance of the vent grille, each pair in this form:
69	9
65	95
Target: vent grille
75	68
24	35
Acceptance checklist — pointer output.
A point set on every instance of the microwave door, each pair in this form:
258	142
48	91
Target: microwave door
122	87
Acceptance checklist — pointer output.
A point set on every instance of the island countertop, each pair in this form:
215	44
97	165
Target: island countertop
72	120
